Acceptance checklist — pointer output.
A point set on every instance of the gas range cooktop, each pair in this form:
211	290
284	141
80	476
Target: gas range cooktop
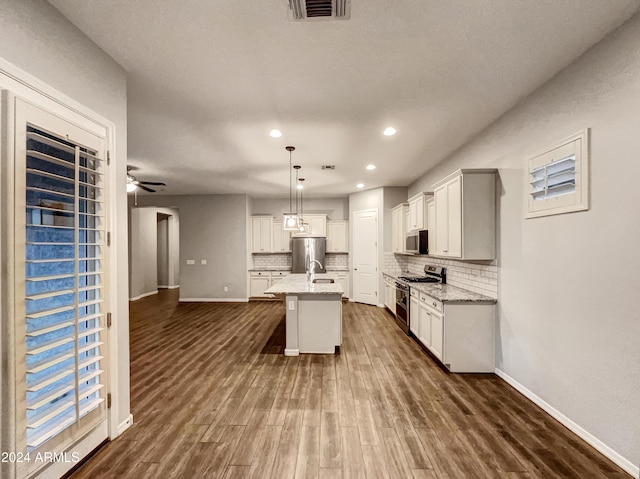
432	274
418	279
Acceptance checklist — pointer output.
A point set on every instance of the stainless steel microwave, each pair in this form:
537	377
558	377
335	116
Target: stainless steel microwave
417	242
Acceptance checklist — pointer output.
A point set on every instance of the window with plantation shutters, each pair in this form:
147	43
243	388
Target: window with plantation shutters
60	249
557	180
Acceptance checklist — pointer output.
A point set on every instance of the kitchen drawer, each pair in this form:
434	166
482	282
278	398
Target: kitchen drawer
279	274
258	274
433	303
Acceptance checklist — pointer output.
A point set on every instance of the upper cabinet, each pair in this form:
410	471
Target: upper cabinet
317	224
338	236
431	223
399	227
261	236
465	215
281	238
418	211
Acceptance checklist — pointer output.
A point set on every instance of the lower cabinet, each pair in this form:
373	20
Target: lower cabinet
460	335
343	279
415	324
259	281
390	294
425	324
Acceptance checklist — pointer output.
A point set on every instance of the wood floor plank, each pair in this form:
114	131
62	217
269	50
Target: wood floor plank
213	396
308	464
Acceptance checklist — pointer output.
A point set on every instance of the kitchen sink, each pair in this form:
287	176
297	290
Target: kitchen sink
323	280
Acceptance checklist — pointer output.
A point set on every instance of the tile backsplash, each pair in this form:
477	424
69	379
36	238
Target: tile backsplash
478	276
271	260
332	260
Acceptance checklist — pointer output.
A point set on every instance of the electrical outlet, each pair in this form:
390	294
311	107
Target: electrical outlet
191	261
292	305
203	261
226	289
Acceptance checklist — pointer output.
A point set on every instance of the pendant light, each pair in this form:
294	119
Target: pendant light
303	227
290	220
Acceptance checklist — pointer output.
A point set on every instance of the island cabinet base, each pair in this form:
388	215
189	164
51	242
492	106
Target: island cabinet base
313	324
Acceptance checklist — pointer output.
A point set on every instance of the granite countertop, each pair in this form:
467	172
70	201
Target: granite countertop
299	284
273	268
288	268
448	293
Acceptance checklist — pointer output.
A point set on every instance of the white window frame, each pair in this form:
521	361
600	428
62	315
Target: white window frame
25	85
578	200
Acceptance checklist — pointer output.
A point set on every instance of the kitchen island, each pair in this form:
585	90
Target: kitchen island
314	312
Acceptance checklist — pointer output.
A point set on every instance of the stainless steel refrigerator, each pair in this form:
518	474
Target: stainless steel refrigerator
308	251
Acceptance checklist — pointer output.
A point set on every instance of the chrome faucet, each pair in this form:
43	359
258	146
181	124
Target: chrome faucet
316	261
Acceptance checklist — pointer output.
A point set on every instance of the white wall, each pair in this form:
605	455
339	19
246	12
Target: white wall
163	250
143	249
569	323
37	39
143	275
213	228
335	208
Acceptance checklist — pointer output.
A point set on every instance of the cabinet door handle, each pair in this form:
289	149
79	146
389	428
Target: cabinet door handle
434	304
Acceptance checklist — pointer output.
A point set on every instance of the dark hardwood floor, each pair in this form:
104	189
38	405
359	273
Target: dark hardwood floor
213	396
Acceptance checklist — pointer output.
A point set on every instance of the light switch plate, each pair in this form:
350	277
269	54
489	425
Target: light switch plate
191	261
203	261
292	305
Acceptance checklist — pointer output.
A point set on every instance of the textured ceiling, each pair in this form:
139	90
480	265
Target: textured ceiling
209	79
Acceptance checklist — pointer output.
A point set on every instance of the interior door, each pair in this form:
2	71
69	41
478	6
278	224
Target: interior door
60	285
365	256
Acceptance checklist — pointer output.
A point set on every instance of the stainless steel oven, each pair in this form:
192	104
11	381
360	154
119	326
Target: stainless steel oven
402	306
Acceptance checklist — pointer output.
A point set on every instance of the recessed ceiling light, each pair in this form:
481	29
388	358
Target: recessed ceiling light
389	131
275	133
360	185
371	167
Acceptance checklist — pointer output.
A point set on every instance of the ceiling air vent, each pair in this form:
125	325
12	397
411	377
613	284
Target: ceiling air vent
302	10
328	167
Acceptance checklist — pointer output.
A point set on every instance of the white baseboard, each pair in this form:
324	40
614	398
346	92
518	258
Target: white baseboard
144	295
214	300
126	424
173	287
292	352
382	306
165	286
624	463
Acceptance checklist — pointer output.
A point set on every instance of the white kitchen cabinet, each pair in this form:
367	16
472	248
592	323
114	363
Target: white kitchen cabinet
343	279
259	282
414	316
418	211
390	294
261	235
431	226
338	236
425	324
460	335
281	242
399	228
465	210
317	224
437	335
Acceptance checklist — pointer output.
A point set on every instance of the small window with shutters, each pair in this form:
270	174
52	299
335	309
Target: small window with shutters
557	181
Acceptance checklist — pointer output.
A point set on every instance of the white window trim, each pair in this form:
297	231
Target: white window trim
23	84
577	201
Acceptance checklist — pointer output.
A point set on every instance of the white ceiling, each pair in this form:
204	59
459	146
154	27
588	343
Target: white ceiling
208	79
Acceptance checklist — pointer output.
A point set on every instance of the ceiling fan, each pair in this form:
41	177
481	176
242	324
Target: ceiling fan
133	183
